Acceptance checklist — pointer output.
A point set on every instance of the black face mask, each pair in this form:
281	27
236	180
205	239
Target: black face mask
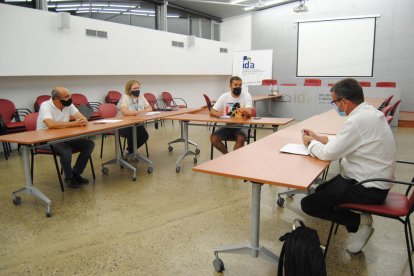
237	91
66	103
135	93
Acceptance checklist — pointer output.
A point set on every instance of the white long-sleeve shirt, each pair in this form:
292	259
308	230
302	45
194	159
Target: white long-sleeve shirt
365	144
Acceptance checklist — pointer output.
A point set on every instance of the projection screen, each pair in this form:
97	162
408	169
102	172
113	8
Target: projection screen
336	48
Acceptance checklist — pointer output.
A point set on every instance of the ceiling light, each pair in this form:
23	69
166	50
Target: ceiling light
249	8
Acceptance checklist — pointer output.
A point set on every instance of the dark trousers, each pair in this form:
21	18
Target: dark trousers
65	150
322	204
142	136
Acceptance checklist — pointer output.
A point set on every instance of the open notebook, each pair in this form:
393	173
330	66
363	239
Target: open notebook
295	149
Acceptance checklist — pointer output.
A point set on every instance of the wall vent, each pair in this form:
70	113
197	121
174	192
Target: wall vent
90	32
102	34
223	50
177	44
95	33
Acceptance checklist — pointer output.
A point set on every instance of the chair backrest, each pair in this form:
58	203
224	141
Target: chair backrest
107	110
152	100
113	97
39	101
394	107
253	112
168	99
78	99
7	110
331	84
389	118
208	102
388	100
312	82
30	121
269	82
365	83
386	110
386	84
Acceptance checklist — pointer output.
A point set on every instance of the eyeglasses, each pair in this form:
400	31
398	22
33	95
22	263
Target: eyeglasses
337	100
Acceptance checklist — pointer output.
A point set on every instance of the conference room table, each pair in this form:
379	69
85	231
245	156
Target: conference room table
235	122
142	118
268	97
273	167
33	139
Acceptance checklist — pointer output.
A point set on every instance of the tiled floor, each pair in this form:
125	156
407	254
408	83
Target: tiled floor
167	223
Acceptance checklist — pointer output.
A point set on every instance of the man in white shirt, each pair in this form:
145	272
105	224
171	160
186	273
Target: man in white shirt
56	113
365	148
233	103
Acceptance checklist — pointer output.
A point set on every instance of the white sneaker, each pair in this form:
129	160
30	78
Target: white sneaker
358	240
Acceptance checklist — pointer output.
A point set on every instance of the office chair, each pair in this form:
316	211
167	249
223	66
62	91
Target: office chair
113	97
397	206
39	100
169	101
11	121
394	107
386	110
385	103
365	83
386	84
30	122
269	82
153	101
312	82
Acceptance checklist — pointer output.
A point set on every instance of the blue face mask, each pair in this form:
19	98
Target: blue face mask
340	113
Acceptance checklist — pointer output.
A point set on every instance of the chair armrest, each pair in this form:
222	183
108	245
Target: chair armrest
21	112
409	184
181	99
94	105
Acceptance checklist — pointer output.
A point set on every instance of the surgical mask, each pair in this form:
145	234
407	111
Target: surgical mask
340	113
66	103
237	91
135	93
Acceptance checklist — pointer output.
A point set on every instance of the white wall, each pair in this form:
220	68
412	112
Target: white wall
237	30
33	45
394	58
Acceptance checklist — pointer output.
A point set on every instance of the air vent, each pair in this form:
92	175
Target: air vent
90	32
223	50
177	44
102	34
95	33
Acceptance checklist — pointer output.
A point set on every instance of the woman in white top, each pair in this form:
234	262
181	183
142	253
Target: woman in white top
133	103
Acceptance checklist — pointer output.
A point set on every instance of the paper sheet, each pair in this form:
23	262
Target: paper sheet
295	149
103	121
152	113
225	117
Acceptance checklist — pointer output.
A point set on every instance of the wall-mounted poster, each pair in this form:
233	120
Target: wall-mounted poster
253	66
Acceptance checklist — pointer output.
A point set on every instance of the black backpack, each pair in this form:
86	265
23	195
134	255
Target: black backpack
301	253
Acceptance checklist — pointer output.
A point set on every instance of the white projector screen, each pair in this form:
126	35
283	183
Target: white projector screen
336	48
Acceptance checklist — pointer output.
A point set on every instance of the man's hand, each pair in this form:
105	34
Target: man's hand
307	139
82	121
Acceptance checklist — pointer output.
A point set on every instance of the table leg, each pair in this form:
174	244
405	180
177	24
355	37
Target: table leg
135	153
253	248
186	152
29	188
182	139
118	160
